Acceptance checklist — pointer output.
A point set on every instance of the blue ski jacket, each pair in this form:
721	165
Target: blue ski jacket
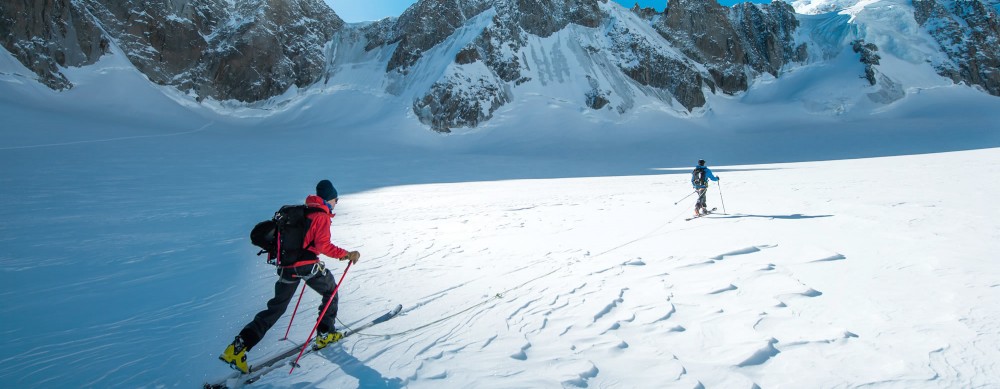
708	174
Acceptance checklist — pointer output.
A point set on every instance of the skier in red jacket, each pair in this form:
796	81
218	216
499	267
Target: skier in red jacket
308	268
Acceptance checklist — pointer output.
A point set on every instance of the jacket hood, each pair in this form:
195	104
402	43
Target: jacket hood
317	202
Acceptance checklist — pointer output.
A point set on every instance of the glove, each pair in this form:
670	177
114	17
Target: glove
352	256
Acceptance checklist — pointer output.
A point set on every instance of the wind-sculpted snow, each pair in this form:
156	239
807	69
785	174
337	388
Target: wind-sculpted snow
768	305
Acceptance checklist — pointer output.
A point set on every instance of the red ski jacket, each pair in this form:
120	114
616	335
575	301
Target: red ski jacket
318	237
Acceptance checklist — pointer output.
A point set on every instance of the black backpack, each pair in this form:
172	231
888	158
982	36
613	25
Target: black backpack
291	224
698	177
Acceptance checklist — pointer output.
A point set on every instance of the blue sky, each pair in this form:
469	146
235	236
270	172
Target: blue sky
359	11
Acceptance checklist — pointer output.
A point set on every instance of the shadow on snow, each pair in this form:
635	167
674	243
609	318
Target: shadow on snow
368	378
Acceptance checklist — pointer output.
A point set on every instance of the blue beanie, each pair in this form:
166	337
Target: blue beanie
326	190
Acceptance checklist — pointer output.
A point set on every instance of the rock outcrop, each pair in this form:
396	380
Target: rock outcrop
246	50
968	32
869	57
430	22
643	60
728	41
266	48
460	100
47	35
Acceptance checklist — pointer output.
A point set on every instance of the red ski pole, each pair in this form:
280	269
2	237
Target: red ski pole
332	295
303	291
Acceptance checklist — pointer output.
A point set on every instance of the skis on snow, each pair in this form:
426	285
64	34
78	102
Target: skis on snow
259	369
711	211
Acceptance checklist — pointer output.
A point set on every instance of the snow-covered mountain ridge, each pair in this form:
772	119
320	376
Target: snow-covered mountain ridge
454	63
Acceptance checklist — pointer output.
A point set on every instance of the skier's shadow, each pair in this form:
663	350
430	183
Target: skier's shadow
367	377
796	216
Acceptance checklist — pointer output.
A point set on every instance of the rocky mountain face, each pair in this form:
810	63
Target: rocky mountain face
47	34
421	27
246	50
733	42
165	40
459	100
459	61
430	22
969	34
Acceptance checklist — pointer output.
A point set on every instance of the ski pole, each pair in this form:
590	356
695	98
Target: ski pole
722	199
295	311
685	197
332	295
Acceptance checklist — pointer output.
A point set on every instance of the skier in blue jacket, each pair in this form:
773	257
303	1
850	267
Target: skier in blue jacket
699	179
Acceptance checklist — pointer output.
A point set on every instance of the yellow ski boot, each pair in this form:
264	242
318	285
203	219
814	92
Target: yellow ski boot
326	338
236	356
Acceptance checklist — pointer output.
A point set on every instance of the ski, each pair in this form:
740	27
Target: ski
711	211
259	369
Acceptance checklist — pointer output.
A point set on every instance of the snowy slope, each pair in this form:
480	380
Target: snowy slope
543	250
598	281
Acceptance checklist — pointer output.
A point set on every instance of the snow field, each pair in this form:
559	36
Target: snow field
818	281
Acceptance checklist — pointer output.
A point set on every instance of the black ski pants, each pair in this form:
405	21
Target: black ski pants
317	277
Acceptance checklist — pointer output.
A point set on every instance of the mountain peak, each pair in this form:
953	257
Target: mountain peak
457	62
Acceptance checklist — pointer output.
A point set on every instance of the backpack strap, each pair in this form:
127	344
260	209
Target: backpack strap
308	211
300	263
698	176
